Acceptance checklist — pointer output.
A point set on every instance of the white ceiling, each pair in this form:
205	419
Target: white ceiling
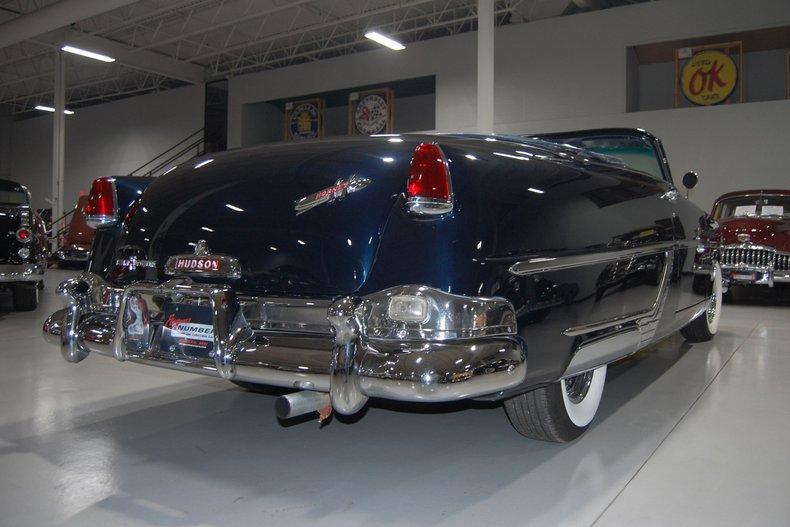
160	44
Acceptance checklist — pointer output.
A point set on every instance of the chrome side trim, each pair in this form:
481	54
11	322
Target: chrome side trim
544	264
604	350
649	314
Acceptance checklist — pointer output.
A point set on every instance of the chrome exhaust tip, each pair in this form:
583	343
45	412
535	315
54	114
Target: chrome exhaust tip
300	403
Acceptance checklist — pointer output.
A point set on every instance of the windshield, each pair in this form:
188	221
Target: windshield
634	151
762	206
12	197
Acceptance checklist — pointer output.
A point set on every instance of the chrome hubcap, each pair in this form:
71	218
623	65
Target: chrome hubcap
714	302
577	387
712	308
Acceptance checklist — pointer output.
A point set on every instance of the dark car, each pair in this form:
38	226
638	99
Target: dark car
754	231
22	255
76	246
414	268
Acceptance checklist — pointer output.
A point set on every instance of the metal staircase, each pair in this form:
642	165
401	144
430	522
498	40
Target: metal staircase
191	146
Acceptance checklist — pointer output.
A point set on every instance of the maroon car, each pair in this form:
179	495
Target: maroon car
754	232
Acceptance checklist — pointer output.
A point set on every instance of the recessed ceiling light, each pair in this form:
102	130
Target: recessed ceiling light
375	36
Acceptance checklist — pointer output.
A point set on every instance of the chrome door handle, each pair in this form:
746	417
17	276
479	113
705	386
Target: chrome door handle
670	195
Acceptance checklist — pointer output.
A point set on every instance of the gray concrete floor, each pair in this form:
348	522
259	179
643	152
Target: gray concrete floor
686	435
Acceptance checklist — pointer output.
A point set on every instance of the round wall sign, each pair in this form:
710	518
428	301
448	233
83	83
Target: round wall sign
305	122
709	77
372	114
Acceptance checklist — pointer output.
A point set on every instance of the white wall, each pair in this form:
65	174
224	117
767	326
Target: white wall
447	58
575	78
5	145
569	73
733	147
102	140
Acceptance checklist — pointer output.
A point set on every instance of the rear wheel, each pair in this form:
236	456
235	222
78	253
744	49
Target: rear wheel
702	328
25	297
559	412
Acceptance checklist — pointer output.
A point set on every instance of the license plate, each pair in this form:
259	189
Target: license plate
745	276
187	330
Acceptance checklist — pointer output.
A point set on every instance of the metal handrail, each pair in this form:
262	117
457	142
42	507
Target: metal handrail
54	222
166	152
175	156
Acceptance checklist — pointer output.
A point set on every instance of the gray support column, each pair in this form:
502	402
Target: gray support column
485	66
58	139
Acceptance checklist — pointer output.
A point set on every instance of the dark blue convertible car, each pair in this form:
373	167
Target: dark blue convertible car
419	268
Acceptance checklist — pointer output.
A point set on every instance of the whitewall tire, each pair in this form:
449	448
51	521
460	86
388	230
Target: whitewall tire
561	411
581	402
706	325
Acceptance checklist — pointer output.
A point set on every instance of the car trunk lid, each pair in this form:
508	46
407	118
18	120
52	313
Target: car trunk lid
300	219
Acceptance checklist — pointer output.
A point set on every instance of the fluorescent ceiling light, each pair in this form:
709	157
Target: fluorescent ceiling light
52	110
204	163
89	54
536	190
234	207
384	40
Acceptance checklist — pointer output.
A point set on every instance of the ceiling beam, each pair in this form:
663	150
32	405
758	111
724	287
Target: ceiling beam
52	17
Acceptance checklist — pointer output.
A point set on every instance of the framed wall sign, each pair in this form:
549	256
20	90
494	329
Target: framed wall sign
370	112
708	75
304	119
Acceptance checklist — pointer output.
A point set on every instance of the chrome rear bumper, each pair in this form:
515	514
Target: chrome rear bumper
73	254
471	352
29	272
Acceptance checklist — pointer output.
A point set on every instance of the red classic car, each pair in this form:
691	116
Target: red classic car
754	232
75	248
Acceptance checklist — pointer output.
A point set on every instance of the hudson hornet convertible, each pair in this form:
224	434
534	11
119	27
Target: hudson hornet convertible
417	268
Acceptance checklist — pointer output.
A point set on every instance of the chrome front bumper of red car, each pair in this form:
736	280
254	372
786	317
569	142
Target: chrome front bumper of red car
754	264
408	343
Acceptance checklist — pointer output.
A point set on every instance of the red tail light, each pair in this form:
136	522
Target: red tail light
429	190
24	235
101	208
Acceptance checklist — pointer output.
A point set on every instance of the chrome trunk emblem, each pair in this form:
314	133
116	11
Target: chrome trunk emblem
202	262
341	189
201	248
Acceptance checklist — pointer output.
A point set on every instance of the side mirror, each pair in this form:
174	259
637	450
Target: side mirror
690	180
